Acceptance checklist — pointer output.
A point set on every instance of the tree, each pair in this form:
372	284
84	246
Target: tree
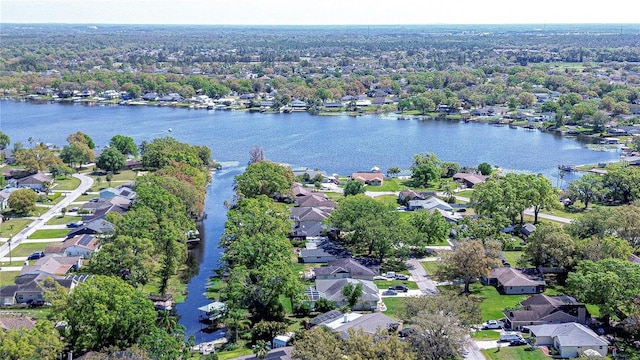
469	260
111	160
611	284
549	246
424	174
586	189
38	158
124	144
437	336
81	138
323	305
353	293
393	171
354	187
4	142
76	153
594	223
626	225
430	228
264	178
526	99
485	169
622	184
541	195
261	349
162	151
23	201
256	155
600	248
42	342
105	311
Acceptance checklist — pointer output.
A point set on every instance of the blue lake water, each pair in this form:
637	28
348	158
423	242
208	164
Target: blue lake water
336	144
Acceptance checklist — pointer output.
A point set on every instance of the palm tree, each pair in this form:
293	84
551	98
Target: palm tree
166	321
235	320
261	349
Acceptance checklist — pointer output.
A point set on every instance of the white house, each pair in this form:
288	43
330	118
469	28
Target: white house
570	339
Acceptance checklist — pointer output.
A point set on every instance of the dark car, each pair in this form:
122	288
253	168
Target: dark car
518	342
400	288
75	224
406	332
36	255
389	293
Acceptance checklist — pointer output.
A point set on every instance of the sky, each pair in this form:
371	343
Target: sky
316	12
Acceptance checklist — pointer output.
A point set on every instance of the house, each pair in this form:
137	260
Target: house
104	206
123	191
344	268
307	221
83	246
407	195
151	96
4	197
322	250
369	323
510	281
53	265
542	309
298	105
470	180
429	204
316	200
372	178
332	290
571	339
35	181
16	322
528	229
97	226
31	287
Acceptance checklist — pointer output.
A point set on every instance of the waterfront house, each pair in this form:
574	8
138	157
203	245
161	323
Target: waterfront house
35	181
332	290
30	288
309	220
469	180
430	204
81	245
369	178
345	268
53	264
571	339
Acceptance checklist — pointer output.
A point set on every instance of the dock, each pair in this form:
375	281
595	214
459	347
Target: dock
206	348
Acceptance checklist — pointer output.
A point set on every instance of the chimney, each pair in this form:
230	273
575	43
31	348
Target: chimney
582	315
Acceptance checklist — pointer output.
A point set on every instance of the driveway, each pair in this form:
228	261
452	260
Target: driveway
420	276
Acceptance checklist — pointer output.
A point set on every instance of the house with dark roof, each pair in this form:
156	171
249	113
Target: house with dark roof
322	250
344	268
510	281
317	200
542	309
97	226
405	196
570	339
103	206
469	180
31	288
35	181
307	221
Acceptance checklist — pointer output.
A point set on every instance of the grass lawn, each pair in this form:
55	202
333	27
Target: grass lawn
57	220
383	284
69	183
225	355
388	185
512	256
430	266
13	226
86	197
510	353
395	306
25	249
492	302
49	234
465	193
486	335
8	277
392	200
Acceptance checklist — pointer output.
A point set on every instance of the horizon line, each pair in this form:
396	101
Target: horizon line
400	24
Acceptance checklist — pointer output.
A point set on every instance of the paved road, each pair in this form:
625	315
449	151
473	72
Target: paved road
420	276
85	184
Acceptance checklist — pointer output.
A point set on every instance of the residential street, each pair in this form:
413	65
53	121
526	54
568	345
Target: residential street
420	276
68	197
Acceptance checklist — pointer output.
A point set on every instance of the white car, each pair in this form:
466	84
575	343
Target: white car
493	324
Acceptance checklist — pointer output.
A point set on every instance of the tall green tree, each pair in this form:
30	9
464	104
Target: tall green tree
37	158
469	260
354	187
430	228
124	144
111	159
264	178
587	189
352	293
42	342
22	201
611	284
549	246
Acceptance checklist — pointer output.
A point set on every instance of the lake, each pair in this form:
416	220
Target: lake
337	144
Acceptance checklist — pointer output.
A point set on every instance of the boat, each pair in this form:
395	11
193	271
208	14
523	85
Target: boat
170	130
568	168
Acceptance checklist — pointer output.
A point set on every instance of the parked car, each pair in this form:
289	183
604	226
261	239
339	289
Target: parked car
75	209
389	292
380	277
492	324
510	336
75	224
402	277
400	288
518	342
406	332
390	274
36	255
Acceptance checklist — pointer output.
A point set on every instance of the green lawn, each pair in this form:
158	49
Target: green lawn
430	266
465	193
511	353
8	277
486	335
388	185
225	355
512	256
13	226
492	302
86	197
49	234
395	306
391	200
25	249
57	220
69	183
383	284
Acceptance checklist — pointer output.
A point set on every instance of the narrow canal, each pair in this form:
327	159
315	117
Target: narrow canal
204	259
